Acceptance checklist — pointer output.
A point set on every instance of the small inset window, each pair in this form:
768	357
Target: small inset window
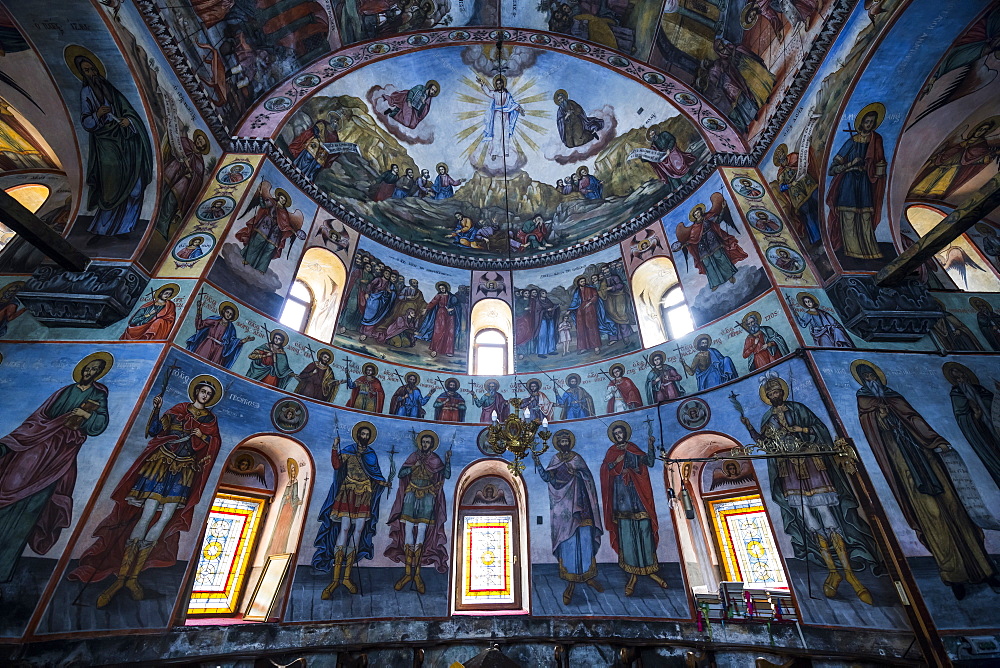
490	353
298	306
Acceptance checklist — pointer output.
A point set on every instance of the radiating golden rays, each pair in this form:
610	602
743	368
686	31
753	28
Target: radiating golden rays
471	122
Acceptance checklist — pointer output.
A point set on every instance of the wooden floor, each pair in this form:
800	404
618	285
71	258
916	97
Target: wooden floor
845	609
977	610
74	604
648	600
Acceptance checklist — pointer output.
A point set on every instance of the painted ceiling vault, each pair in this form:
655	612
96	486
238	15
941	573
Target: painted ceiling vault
481	134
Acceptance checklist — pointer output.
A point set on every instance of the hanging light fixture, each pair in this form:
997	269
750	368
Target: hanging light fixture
518	434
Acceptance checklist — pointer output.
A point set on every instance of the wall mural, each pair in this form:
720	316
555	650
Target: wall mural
951	471
235	337
567	314
741	55
260	253
419	146
187	152
405	310
72	399
716	261
109	119
152	318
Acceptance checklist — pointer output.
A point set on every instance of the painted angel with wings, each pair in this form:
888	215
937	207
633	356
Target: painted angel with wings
714	250
272	225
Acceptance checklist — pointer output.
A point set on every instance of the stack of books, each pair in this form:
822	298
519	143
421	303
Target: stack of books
781	602
710	605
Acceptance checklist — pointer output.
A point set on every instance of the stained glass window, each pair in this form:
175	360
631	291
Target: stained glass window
748	551
488	574
225	554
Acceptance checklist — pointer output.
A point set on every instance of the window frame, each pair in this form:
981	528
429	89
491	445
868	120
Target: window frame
309	305
476	345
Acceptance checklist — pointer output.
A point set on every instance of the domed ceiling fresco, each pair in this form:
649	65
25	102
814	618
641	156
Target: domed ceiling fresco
480	152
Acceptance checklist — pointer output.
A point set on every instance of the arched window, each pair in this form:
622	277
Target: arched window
489	572
966	265
251	533
659	302
489	353
323	276
298	306
492	331
31	196
725	535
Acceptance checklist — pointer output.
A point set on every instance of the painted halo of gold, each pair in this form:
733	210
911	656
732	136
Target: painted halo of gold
611	369
879	110
561	91
620	423
284	336
365	366
70	54
975	303
440	165
700	337
292	467
878	372
328	352
208	144
564	432
755	314
282	192
947	368
359	425
433	434
763	387
802	295
172	286
437	286
109	361
236	310
696	208
745	20
411	373
211	380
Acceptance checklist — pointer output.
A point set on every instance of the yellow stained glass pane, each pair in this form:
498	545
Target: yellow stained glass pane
488	560
749	553
225	554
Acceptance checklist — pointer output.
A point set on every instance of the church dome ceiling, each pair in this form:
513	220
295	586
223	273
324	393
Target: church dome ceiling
468	152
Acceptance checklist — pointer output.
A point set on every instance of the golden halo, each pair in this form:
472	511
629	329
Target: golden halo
701	207
951	366
440	165
611	370
492	380
434	83
977	302
583	169
503	81
574	375
879	110
801	297
70	54
448	380
700	337
169	286
533	380
327	351
854	371
211	380
437	286
288	199
620	423
11	289
366	366
433	435
755	314
109	361
208	145
292	467
763	386
564	432
196	241
359	425
555	96
411	373
782	150
224	305
284	335
745	19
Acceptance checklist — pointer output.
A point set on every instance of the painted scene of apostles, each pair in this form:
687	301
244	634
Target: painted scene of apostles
571	315
404	310
435	148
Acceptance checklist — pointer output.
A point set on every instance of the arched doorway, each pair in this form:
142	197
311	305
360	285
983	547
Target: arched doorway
490	568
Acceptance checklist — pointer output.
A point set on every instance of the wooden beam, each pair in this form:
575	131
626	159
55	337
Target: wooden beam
953	226
32	229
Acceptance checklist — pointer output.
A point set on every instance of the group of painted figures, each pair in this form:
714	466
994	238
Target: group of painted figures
155	500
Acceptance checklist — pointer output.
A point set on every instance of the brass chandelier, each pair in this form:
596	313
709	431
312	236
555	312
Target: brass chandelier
518	435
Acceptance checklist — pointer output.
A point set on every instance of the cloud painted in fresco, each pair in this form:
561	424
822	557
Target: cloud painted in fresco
604	137
513	61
